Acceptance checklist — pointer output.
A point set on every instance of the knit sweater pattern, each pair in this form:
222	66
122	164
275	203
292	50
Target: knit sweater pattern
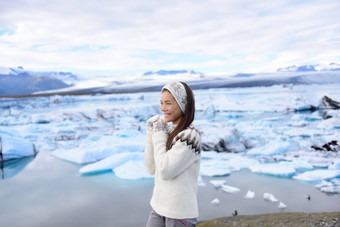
176	172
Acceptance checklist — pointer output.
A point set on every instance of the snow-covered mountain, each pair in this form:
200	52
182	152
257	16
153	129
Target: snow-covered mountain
23	83
68	83
183	72
66	77
311	68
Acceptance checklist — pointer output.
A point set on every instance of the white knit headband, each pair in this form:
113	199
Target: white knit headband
177	89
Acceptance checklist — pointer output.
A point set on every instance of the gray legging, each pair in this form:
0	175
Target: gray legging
156	220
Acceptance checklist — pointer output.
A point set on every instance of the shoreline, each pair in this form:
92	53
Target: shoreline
277	219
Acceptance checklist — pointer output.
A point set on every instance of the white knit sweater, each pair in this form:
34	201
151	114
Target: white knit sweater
176	172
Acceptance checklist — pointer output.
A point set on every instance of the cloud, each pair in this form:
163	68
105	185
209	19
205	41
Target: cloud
119	36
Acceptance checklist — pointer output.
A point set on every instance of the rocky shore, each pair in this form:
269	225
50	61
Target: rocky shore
290	219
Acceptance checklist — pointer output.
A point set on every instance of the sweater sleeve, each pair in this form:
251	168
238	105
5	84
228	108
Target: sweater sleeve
149	160
183	152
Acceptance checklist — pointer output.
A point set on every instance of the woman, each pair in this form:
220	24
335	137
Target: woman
172	154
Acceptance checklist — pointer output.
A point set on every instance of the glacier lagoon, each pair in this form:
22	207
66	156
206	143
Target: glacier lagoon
89	166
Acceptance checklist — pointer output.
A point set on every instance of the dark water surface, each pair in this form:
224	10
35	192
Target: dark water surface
50	192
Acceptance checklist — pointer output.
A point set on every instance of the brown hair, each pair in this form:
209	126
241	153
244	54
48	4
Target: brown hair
188	116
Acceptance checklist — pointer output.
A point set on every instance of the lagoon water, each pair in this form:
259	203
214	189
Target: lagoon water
50	192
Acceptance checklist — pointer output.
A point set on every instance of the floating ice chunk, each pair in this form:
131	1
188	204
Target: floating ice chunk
111	162
215	202
335	165
332	186
216	155
222	164
215	168
92	151
270	197
222	141
330	123
201	181
281	169
210	111
300	104
239	162
250	195
301	165
230	189
132	170
233	141
282	206
303	133
318	175
217	183
126	133
323	184
15	147
273	147
331	189
299	124
320	162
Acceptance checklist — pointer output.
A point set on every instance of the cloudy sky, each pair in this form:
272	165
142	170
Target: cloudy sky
134	36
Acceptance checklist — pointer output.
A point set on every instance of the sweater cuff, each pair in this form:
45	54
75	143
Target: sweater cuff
159	137
159	143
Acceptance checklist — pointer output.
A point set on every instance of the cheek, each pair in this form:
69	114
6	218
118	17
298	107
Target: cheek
177	113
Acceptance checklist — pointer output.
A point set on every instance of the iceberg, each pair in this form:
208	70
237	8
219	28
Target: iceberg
110	162
12	147
92	151
132	170
201	181
335	165
223	141
280	169
215	168
269	197
317	175
222	164
282	206
230	189
332	186
250	195
217	183
301	165
273	147
215	202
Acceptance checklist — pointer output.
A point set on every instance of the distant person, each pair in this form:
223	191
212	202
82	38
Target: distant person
172	154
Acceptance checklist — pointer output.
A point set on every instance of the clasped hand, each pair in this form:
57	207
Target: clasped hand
156	124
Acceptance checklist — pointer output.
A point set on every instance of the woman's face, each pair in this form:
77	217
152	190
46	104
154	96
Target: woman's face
170	108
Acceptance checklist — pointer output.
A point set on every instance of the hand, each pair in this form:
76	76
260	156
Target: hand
160	125
150	122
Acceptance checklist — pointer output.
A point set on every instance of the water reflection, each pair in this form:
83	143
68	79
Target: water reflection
10	168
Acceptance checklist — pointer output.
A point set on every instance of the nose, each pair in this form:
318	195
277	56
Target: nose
163	107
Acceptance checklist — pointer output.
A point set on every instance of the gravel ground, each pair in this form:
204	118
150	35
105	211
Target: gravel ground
277	219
